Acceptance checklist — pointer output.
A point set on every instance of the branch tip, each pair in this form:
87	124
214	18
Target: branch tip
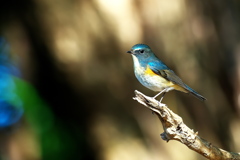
175	129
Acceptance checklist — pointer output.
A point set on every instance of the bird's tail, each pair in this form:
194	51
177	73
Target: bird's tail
197	95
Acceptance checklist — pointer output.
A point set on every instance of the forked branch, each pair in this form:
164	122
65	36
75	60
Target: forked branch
175	129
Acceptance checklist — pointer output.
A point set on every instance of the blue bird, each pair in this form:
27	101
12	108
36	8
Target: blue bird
152	73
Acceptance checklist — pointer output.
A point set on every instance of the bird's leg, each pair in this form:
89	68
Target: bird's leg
160	93
162	97
164	92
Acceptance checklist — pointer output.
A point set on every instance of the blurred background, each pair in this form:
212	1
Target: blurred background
66	81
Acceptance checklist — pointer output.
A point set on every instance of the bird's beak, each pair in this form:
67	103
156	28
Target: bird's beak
129	52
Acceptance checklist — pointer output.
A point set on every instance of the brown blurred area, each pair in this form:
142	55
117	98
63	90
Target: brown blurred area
74	53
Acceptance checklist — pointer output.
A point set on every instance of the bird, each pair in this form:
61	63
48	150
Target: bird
152	73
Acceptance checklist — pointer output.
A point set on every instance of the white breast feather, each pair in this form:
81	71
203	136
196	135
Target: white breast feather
155	83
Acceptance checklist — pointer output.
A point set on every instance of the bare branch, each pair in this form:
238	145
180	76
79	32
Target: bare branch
175	129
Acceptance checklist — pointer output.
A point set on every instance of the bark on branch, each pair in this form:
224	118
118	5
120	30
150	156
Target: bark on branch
175	129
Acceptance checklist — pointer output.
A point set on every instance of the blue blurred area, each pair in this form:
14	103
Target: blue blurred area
9	114
11	109
18	97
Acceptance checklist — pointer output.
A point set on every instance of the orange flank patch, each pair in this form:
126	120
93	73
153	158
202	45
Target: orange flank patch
149	71
164	81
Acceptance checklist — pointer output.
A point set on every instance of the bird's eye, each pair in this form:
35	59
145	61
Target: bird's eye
141	51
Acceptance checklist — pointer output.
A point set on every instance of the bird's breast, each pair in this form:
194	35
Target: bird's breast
151	80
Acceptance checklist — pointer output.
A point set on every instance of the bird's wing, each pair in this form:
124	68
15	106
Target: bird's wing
171	76
168	75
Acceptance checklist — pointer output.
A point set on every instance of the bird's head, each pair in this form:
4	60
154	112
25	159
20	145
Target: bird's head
141	51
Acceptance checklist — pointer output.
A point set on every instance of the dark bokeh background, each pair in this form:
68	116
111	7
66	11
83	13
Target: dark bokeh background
77	80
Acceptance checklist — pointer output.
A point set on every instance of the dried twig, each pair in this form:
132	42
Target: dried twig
175	129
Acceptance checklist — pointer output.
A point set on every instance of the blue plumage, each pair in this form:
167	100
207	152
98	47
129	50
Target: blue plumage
154	74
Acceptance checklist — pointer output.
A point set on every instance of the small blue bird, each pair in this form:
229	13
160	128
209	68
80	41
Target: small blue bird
152	73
